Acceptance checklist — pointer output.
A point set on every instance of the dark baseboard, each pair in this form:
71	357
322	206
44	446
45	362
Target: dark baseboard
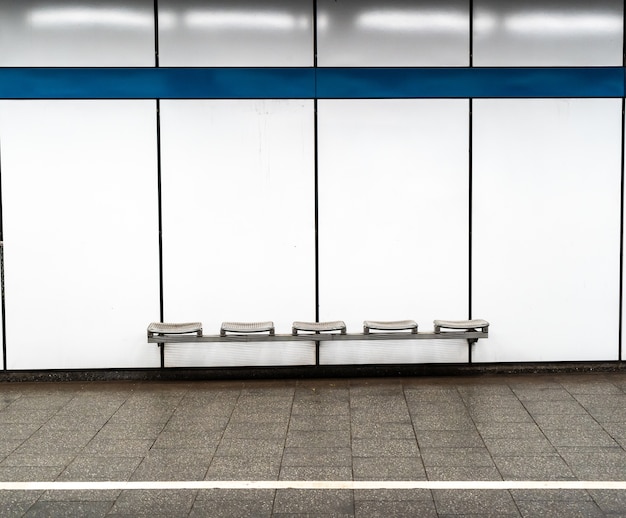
303	372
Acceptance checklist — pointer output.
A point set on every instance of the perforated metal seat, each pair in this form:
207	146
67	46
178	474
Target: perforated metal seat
163	328
393	325
319	327
461	325
247	327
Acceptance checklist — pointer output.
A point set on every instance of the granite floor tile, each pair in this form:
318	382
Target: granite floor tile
176	504
463	473
173	465
506	431
550	495
14	504
306	422
610	501
606	415
98	468
231	509
321	394
8	446
385	448
396	495
442	422
442	457
42	460
244	468
322	407
533	467
596	463
56	442
15	431
580	438
437	408
519	447
383	430
318	438
548	509
392	508
314	501
496	415
184	440
388	468
480	502
236	494
130	430
189	421
588	385
321	457
61	423
315	473
118	447
47	509
590	401
566	422
30	473
268	430
94	495
555	393
554	407
241	447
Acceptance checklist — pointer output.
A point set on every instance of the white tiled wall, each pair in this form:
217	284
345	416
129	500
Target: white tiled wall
80	200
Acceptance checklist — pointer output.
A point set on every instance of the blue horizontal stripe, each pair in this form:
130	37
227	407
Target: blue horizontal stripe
153	83
470	82
309	83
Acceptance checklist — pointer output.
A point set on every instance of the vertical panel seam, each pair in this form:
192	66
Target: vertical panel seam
621	233
470	178
159	192
621	237
2	297
316	170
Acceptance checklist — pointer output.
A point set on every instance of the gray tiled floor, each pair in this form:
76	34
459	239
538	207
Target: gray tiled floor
528	427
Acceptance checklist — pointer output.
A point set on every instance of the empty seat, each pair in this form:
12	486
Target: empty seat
461	325
162	328
394	325
247	327
319	327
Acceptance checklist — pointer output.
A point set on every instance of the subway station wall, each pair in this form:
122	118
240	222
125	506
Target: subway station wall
281	209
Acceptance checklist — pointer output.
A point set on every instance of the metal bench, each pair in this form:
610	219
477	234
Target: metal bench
161	333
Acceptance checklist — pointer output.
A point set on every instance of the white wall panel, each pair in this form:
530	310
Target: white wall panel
546	228
242	33
376	352
548	33
238	213
80	226
233	354
393	33
76	33
393	212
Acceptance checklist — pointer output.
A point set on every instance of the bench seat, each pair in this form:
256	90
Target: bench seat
247	327
319	327
163	328
461	325
392	325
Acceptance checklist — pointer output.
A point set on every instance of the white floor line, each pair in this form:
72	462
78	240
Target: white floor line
313	484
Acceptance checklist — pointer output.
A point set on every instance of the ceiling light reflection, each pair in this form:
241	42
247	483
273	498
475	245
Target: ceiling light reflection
248	20
115	17
485	21
558	24
412	20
